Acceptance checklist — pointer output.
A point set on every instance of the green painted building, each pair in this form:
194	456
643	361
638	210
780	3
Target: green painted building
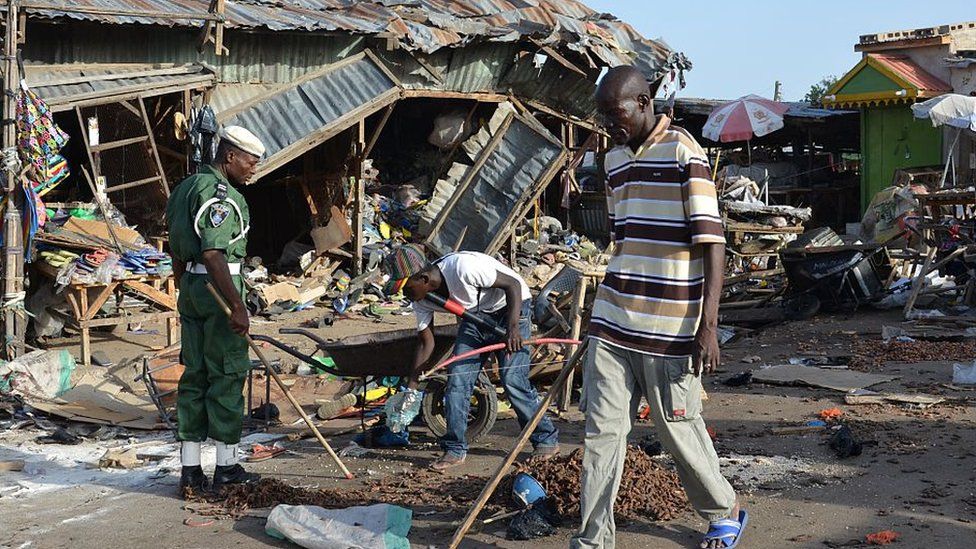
884	87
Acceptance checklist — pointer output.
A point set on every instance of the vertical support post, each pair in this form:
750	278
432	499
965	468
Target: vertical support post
575	327
359	191
13	264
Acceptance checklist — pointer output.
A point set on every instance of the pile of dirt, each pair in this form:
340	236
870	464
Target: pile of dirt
872	354
648	490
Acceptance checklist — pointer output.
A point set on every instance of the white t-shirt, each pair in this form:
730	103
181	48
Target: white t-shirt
469	276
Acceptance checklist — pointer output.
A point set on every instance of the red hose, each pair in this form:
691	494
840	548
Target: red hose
498	347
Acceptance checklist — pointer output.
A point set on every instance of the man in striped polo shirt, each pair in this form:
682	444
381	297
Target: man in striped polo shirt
653	329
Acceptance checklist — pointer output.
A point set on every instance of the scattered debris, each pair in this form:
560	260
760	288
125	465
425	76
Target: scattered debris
827	378
884	537
867	396
844	444
872	354
830	414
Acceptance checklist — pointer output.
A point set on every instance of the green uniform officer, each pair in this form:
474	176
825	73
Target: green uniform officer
208	223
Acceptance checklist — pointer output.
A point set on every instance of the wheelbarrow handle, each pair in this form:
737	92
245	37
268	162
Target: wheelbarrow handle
299	331
308	359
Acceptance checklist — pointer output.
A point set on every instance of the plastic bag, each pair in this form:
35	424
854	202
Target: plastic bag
402	408
43	374
963	374
380	526
538	521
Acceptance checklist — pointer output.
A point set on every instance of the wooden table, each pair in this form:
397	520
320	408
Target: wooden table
86	300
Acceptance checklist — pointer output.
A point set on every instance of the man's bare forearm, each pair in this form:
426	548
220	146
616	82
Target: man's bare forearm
714	262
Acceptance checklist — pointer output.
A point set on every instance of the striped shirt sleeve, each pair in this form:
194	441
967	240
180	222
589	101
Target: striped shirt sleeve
700	200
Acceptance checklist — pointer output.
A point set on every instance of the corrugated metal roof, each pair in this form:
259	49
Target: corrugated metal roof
798	109
310	107
420	25
60	85
912	72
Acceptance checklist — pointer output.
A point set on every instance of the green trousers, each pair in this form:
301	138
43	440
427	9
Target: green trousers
210	399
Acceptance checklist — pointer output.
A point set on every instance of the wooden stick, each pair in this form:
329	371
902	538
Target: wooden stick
101	207
282	386
489	488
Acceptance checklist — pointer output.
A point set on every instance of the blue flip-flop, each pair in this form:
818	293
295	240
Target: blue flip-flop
727	529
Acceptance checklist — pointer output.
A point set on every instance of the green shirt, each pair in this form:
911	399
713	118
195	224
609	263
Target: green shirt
198	221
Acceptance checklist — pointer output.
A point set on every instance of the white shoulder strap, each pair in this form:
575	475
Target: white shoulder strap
240	217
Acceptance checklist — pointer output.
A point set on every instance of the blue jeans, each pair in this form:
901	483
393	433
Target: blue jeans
514	372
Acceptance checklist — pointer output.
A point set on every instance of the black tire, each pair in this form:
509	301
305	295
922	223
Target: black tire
484	409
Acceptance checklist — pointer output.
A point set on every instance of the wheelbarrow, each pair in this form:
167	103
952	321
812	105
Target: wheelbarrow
833	277
391	354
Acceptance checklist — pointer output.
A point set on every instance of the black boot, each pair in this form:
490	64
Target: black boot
233	474
193	479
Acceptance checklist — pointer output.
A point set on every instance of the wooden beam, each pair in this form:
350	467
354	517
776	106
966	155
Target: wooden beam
137	183
58	104
359	199
147	14
442	94
101	147
378	130
158	296
152	148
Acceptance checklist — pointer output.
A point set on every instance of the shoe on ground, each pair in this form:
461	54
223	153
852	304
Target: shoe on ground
447	461
329	409
193	480
546	452
233	474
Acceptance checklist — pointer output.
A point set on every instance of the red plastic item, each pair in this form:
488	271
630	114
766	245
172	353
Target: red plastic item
883	537
498	347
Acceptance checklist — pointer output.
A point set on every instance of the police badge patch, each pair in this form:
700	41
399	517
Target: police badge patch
218	214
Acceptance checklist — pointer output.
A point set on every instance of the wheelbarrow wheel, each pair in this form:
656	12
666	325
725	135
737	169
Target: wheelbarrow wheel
802	307
481	418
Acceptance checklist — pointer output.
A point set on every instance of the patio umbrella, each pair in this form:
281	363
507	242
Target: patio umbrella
951	109
743	118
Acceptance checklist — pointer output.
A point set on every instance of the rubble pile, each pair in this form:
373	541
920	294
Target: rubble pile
543	246
873	354
648	490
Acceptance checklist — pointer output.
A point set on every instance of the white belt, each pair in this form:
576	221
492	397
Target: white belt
201	269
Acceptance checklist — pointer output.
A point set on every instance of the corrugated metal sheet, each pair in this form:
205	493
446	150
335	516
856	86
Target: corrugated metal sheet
62	84
226	96
312	105
253	57
552	85
511	172
421	25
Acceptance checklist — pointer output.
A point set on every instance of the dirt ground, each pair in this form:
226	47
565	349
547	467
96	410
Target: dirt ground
916	475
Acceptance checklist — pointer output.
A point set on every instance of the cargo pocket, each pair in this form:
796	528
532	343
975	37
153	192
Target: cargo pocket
236	362
681	394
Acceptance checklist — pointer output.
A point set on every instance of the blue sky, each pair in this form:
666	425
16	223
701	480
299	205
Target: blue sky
744	46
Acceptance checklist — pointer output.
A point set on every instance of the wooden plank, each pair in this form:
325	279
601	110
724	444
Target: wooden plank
132	184
100	300
161	298
358	201
129	319
119	144
152	148
378	130
919	281
147	14
85	331
83	125
576	326
441	94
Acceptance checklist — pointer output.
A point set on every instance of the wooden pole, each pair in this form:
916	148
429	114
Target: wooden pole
13	267
358	189
489	488
282	386
576	316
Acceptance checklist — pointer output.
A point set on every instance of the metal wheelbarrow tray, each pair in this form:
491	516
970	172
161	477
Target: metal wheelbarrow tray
392	353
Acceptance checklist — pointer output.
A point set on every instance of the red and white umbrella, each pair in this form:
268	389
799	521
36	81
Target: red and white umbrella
743	118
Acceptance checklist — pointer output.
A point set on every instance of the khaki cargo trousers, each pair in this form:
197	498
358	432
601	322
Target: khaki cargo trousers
614	379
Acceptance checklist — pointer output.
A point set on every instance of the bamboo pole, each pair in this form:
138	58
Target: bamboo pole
489	488
282	386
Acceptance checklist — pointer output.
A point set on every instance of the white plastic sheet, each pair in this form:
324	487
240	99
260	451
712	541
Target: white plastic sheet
380	526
